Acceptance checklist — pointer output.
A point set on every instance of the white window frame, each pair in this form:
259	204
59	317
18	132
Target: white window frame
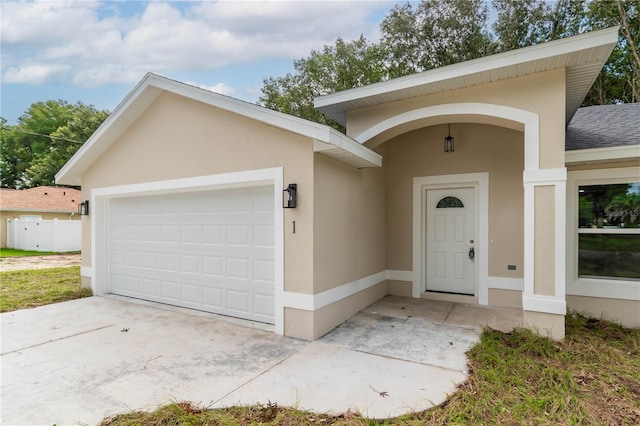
590	286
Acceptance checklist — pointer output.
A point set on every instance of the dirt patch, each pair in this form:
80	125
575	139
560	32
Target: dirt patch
39	262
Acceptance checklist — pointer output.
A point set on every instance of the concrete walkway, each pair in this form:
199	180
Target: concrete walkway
77	362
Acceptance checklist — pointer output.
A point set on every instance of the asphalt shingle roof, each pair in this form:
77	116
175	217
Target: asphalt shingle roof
41	198
603	126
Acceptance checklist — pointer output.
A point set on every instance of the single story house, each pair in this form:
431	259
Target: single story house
452	183
39	203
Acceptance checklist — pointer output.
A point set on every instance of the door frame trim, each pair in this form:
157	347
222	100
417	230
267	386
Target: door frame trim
479	181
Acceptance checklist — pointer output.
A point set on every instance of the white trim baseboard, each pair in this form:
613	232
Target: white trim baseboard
546	304
86	271
313	302
503	283
397	275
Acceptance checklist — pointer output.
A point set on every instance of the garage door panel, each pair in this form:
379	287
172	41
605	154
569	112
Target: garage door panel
211	250
237	267
263	236
238	301
263	270
237	235
264	305
213	235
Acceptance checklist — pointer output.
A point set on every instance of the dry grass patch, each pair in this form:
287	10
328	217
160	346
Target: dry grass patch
518	378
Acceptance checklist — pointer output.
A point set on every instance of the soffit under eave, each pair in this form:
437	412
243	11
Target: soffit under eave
578	82
582	65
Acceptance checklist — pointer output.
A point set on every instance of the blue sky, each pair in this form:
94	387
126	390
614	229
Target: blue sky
95	52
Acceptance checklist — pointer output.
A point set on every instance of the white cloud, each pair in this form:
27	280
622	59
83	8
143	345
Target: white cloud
221	88
91	44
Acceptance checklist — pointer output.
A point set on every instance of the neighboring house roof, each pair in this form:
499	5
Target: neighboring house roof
326	140
40	199
604	126
583	56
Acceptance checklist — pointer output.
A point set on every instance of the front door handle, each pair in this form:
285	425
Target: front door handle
472	253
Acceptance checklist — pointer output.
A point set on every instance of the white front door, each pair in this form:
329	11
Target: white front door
451	240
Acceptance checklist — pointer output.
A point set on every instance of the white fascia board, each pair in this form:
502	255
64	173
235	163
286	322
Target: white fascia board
599	155
353	148
70	173
501	60
135	103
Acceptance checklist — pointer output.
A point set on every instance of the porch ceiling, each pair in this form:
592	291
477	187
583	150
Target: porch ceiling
582	56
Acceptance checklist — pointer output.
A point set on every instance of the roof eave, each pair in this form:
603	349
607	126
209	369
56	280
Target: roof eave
602	42
152	85
602	155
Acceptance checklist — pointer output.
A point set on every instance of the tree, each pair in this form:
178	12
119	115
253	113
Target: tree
342	66
521	23
619	80
435	34
44	139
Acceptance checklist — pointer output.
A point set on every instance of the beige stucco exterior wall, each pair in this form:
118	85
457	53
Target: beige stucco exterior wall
8	214
178	137
313	325
479	148
624	312
348	243
542	93
544	250
349	223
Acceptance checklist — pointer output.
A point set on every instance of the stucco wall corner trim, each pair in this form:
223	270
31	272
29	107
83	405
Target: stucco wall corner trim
503	283
313	302
397	275
86	271
546	304
542	176
597	155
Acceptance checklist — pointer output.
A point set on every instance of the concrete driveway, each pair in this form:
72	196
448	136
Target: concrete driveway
77	362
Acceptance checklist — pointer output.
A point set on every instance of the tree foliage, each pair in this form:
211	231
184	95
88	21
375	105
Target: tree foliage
619	81
334	68
435	33
44	139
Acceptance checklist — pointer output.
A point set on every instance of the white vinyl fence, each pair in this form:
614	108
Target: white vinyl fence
43	235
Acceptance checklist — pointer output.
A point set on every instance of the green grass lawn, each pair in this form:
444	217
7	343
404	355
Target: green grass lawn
518	378
37	287
8	252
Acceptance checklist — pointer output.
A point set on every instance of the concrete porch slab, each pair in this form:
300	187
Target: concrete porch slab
324	378
77	362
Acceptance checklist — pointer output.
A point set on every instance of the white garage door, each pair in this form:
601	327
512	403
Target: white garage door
209	250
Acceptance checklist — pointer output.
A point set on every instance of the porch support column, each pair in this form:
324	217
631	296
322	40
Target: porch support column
543	296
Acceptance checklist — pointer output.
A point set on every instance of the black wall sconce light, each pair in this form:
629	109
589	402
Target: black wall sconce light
449	142
83	208
289	196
